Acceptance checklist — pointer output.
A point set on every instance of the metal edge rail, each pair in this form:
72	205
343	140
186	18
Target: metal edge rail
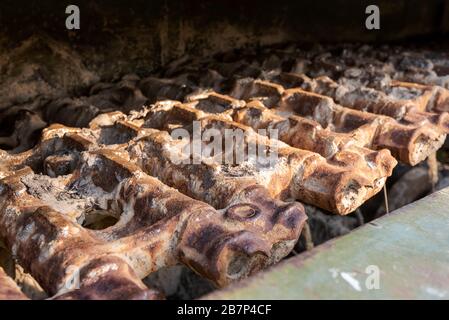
408	250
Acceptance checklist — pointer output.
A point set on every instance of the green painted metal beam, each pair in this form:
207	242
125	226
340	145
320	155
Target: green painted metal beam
409	248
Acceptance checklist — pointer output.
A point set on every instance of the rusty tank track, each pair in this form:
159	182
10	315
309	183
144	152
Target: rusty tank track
344	118
49	191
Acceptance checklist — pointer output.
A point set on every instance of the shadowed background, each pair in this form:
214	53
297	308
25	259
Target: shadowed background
118	37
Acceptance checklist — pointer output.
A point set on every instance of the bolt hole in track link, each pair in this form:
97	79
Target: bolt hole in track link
99	210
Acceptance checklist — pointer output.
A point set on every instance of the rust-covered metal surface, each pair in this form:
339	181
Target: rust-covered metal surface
369	101
406	251
341	129
48	192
